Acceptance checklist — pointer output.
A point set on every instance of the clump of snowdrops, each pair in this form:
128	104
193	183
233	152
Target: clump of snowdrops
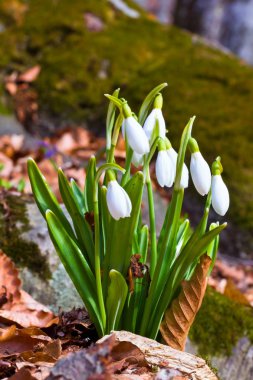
126	275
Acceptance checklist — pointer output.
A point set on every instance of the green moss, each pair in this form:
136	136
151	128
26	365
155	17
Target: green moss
219	324
137	54
13	223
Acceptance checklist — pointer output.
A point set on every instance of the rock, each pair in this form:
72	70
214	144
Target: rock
123	355
236	366
24	237
159	355
9	125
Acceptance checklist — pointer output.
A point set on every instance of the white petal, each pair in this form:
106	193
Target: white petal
161	121
118	201
185	177
220	195
200	172
137	159
185	173
136	136
149	125
164	169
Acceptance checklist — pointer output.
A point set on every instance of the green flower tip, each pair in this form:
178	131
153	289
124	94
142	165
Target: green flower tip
167	143
217	168
126	110
158	102
193	145
161	144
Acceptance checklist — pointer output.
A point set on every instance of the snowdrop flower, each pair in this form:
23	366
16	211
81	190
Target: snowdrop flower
220	194
155	116
185	173
164	167
136	136
200	171
137	159
118	201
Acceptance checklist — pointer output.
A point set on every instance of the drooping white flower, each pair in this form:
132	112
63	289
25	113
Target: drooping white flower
137	159
185	172
220	195
164	168
201	173
118	201
149	125
136	136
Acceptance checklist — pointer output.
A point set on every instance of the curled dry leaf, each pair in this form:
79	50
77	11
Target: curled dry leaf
20	307
180	316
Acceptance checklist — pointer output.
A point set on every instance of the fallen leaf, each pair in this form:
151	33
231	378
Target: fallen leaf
20	307
23	374
180	315
48	353
11	87
30	75
6	334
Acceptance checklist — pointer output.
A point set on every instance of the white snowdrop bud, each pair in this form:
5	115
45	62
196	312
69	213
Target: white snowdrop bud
185	173
118	201
220	195
149	125
164	169
136	136
201	173
137	159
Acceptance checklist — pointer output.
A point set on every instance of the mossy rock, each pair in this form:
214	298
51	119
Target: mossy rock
24	238
222	333
135	54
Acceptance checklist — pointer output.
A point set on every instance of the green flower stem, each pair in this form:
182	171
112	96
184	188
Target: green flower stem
110	122
115	136
152	221
126	175
100	170
167	252
162	267
97	257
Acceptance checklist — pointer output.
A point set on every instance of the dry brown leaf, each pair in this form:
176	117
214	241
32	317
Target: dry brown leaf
180	316
48	354
6	334
30	75
23	374
11	87
20	307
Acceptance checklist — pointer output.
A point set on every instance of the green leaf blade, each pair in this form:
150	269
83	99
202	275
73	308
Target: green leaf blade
117	293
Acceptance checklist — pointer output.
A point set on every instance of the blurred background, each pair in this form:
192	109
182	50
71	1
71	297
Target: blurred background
228	23
57	60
